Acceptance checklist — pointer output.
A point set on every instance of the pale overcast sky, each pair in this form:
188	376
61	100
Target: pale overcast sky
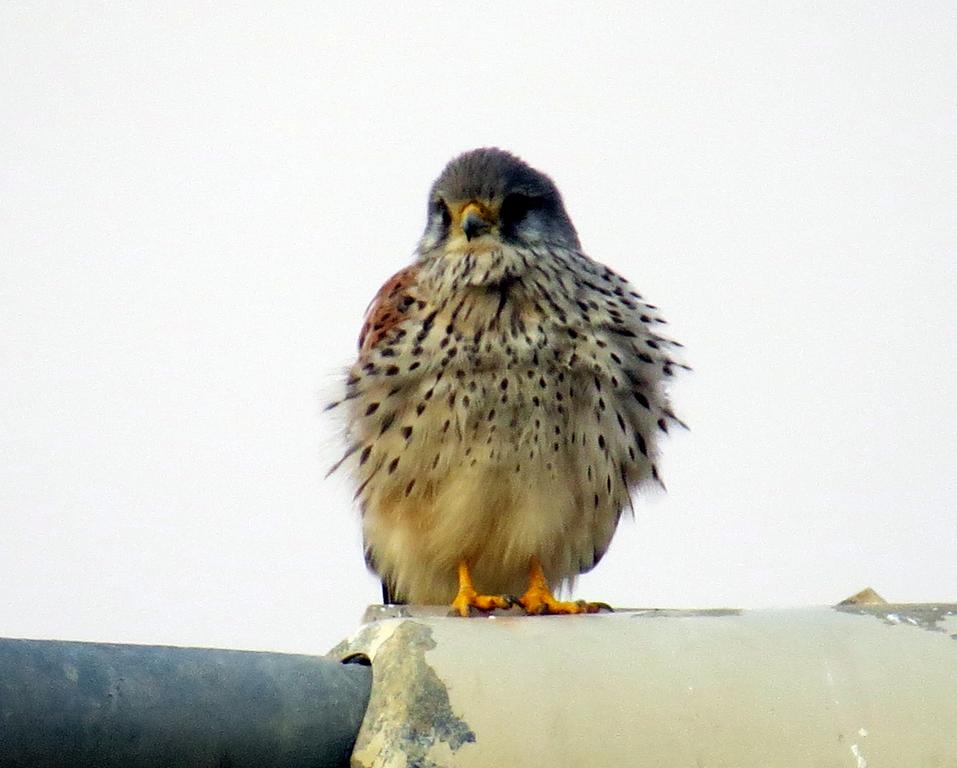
198	201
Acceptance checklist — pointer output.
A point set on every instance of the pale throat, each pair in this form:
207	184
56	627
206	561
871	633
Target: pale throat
484	263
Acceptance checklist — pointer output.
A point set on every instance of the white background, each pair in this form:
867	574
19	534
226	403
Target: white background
197	203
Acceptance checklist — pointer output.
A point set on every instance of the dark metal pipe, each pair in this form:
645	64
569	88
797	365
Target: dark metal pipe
97	704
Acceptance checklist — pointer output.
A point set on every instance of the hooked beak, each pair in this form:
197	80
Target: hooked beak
474	223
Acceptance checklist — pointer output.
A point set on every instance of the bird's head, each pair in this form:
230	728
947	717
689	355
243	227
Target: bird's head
491	206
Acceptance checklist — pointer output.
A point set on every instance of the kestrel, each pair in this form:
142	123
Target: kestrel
507	399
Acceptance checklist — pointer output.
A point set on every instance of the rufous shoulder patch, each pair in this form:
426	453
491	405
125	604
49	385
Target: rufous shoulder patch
390	307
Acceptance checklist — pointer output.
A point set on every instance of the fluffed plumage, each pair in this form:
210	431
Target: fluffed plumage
508	395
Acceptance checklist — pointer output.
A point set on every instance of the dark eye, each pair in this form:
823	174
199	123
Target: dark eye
516	206
441	210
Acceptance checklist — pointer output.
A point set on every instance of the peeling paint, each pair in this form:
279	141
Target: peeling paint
375	613
653	613
365	640
859	756
933	617
384	612
721	686
409	721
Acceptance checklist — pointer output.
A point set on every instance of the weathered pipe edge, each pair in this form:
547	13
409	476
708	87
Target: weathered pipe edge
853	685
97	704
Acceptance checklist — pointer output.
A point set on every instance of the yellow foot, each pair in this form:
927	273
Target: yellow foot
468	598
539	600
539	604
464	601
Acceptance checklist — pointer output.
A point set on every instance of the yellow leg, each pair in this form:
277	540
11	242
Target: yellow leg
468	598
538	598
